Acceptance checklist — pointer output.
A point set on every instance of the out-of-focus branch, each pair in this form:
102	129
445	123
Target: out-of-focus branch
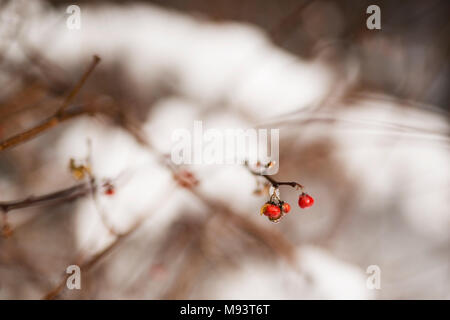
67	194
87	264
35	131
63	195
62	114
92	261
79	85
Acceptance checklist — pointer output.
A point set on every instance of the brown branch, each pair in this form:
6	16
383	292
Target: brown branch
76	89
274	182
71	193
60	116
91	262
35	131
67	194
88	264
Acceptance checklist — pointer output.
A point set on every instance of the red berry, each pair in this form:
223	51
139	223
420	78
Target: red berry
273	211
286	207
110	191
305	201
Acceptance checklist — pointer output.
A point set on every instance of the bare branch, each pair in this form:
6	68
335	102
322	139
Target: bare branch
60	116
67	194
76	89
88	264
274	182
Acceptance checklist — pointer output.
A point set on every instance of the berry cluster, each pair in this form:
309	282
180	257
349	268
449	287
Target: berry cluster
275	211
275	208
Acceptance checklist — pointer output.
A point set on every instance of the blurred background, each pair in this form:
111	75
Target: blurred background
364	126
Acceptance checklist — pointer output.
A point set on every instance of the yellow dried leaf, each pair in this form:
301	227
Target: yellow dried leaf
78	172
263	208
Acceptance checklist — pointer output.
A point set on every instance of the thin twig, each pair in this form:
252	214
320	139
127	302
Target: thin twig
274	182
76	89
88	264
47	124
60	116
71	193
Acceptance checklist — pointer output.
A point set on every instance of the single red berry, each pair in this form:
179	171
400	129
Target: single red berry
286	207
273	211
305	201
110	191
